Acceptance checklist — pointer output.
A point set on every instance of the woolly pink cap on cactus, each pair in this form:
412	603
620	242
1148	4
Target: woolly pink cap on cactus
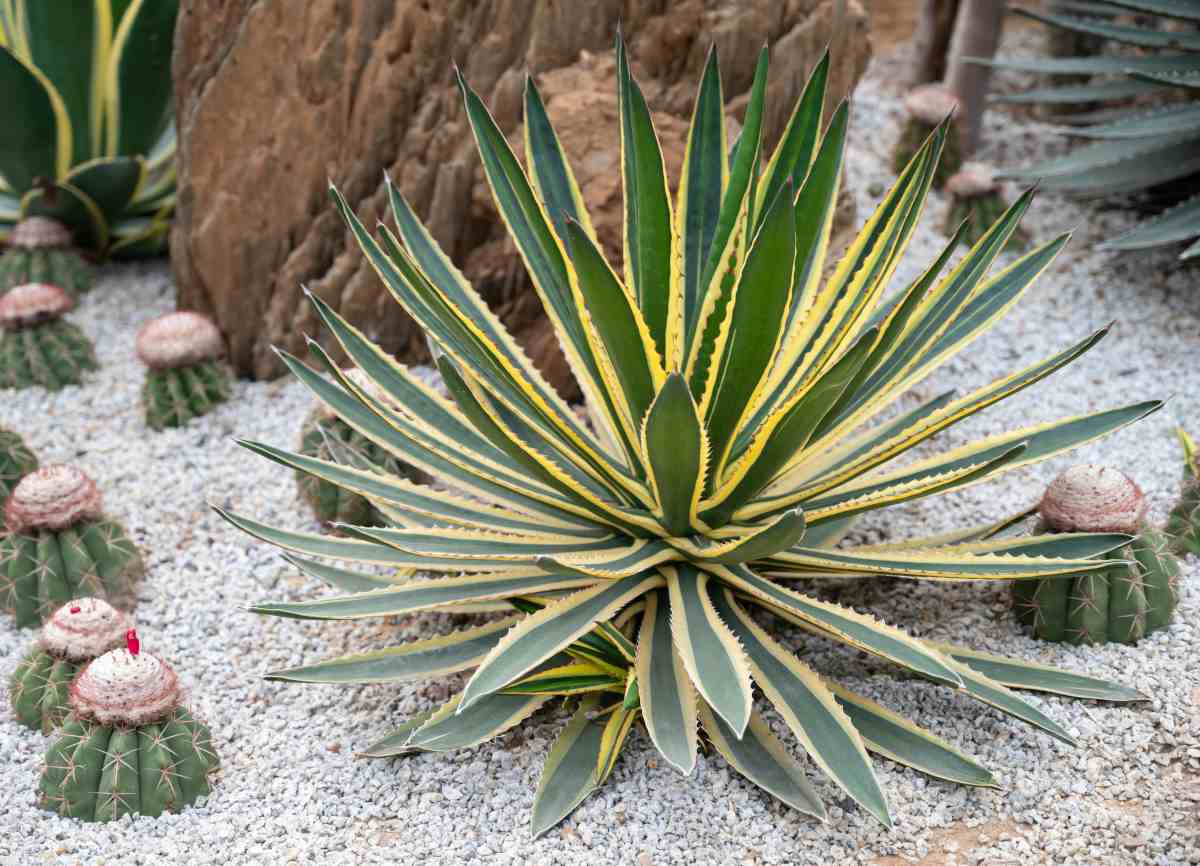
930	103
125	688
39	231
53	497
83	629
179	340
1092	498
973	179
30	303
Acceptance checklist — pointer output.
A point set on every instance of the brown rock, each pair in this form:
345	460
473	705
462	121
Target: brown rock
273	99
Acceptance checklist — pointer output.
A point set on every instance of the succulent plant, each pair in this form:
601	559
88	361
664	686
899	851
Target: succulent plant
976	201
1135	148
16	461
128	746
79	631
326	437
40	251
90	136
738	407
1122	603
928	107
61	546
187	375
1183	523
37	345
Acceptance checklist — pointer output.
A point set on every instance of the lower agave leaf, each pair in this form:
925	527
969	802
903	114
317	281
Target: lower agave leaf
394	744
1020	674
667	696
991	692
456	727
616	730
569	774
343	579
72	207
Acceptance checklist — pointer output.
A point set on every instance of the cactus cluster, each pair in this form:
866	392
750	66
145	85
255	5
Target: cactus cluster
186	375
926	107
1183	523
61	546
37	345
325	436
40	251
976	201
81	630
128	746
16	461
1122	603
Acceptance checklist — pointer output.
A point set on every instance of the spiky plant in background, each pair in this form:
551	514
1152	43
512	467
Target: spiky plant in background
16	461
128	747
89	137
1183	523
37	346
1135	147
186	372
79	631
976	202
736	401
40	251
60	546
927	107
1123	603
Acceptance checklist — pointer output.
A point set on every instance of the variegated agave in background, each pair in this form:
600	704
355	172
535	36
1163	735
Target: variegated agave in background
89	133
737	423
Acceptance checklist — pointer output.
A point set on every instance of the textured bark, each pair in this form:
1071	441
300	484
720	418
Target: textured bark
931	41
276	98
976	34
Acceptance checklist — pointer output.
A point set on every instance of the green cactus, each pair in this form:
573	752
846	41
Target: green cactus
174	396
16	461
1120	604
926	107
37	346
976	201
1183	523
39	689
39	251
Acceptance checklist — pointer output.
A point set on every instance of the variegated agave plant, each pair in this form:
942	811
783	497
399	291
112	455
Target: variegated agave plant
736	424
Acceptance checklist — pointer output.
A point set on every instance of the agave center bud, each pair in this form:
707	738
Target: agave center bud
33	303
179	340
83	629
39	231
1092	498
125	689
973	179
53	497
930	103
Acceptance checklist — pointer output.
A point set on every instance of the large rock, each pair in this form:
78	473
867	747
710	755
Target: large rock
274	99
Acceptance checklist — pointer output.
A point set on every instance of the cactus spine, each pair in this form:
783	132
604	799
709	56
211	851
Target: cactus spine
976	199
61	546
186	375
1183	524
79	631
926	106
128	746
16	461
39	251
1121	604
38	346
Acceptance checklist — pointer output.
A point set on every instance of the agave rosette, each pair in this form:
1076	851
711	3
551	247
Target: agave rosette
735	401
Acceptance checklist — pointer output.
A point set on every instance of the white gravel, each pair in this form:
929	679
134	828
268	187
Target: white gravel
291	791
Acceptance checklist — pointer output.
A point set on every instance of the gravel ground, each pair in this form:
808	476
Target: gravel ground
291	791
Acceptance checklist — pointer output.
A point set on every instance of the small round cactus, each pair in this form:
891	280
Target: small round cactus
926	106
16	461
76	633
187	376
60	546
127	746
39	251
977	199
1183	524
1119	604
38	346
327	437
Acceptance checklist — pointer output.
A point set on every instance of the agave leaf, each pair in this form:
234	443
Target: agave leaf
1179	223
1021	674
666	694
980	687
454	726
624	562
572	678
394	743
616	731
40	146
1146	37
677	453
750	542
343	579
549	170
958	536
809	708
1101	158
139	96
72	207
1181	77
1145	123
569	774
1073	94
471	544
793	155
1185	9
1099	65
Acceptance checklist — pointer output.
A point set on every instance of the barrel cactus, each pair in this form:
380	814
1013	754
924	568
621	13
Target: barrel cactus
37	345
1122	603
1183	524
16	461
128	746
925	108
325	436
40	251
976	202
187	375
76	633
61	545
